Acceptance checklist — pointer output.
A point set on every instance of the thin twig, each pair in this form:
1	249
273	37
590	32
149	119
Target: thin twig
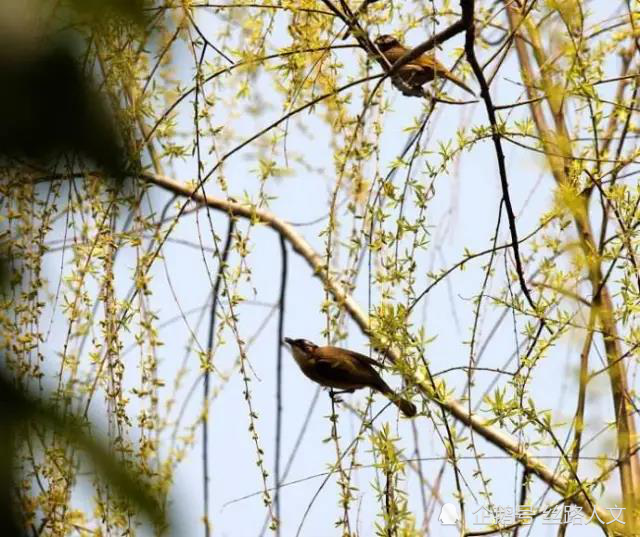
283	286
469	47
205	395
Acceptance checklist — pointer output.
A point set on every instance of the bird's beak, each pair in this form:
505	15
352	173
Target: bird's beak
289	341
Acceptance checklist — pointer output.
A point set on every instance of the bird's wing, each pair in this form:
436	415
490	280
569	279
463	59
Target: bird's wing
363	358
352	365
428	61
431	63
334	374
342	374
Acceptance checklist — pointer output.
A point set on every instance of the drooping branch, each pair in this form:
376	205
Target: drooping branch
207	376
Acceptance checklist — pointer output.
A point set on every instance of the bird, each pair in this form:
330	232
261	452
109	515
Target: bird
417	72
343	369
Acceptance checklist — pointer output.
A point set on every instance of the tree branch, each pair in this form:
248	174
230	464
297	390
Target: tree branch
469	47
458	410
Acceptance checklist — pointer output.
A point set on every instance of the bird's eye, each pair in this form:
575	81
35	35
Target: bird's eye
308	344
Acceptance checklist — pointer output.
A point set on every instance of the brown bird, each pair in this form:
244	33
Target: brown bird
419	71
343	369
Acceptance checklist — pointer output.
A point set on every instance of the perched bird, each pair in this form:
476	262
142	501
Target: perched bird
343	369
419	71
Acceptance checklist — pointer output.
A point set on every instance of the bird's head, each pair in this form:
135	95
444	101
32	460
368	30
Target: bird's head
303	345
302	350
385	42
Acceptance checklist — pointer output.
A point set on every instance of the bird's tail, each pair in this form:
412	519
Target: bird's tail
453	78
406	407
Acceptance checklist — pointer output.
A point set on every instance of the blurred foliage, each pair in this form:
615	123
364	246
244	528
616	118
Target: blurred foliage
49	106
50	109
97	9
21	413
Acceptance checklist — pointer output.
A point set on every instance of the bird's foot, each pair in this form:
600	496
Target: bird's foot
334	395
